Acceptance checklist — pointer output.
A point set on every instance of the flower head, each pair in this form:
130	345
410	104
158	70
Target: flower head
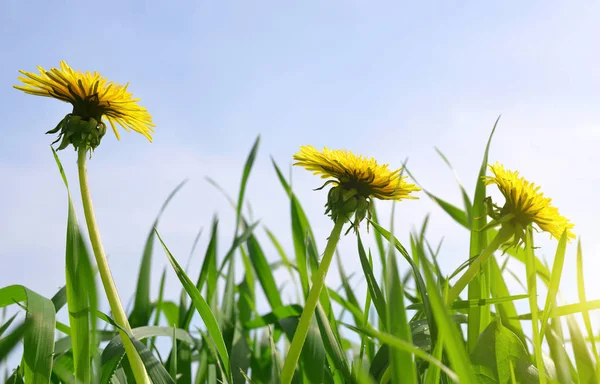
93	98
525	205
356	180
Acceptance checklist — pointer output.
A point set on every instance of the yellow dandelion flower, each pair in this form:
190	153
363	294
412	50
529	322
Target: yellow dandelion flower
525	205
356	180
93	98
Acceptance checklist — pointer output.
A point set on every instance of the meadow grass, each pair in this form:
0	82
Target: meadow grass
413	326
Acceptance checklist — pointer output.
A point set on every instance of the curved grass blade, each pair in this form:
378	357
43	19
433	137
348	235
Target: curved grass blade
403	345
421	286
263	272
583	299
374	289
142	306
557	268
203	309
38	343
532	289
448	328
401	362
479	287
505	309
9	342
245	175
80	291
586	369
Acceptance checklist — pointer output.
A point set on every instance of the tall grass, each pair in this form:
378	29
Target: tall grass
409	329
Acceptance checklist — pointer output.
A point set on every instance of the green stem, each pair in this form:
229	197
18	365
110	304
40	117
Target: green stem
503	236
137	366
291	361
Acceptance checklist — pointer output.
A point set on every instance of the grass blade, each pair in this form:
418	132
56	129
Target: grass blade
80	291
142	307
203	309
479	287
454	344
245	175
583	299
586	369
38	344
263	272
401	362
9	342
532	289
557	268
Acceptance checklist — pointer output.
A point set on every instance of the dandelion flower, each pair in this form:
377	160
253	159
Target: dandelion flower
356	180
525	205
93	98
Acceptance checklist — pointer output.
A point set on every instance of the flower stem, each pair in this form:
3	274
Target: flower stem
504	234
293	355
137	366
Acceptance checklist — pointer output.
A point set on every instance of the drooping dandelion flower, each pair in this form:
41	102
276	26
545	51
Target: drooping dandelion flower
356	180
525	205
94	98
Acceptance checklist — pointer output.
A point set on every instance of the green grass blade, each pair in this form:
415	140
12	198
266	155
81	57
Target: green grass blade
332	344
586	369
203	309
300	231
460	216
12	339
247	291
282	255
156	371
272	318
7	324
583	299
263	272
532	289
312	357
38	343
159	303
453	342
556	343
519	254
245	175
174	357
420	283
349	291
372	285
142	306
240	358
379	240
505	309
566	310
401	362
466	200
557	268
210	260
228	314
403	345
80	291
479	287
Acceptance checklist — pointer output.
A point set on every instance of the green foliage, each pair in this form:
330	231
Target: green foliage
235	325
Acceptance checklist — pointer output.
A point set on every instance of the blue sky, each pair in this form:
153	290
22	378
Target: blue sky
386	79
